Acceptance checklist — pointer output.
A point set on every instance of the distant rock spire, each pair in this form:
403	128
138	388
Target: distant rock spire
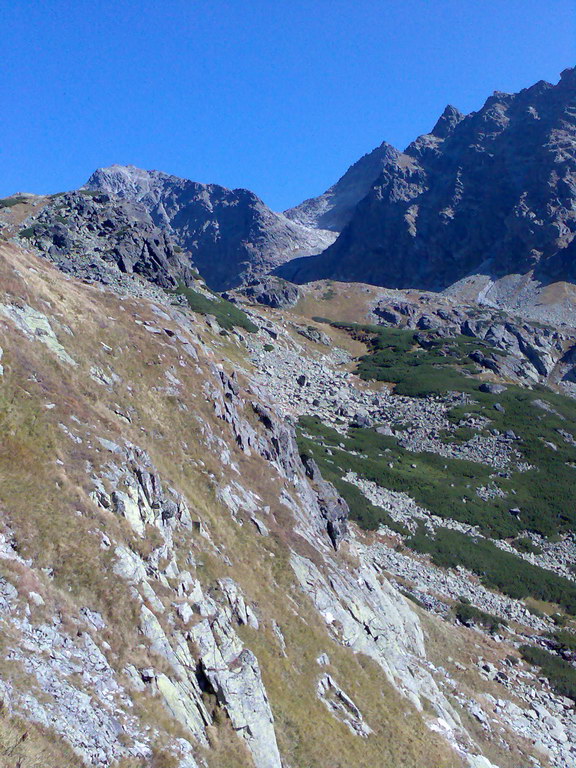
447	121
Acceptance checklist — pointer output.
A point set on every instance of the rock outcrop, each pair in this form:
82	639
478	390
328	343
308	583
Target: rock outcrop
97	236
521	351
271	291
333	507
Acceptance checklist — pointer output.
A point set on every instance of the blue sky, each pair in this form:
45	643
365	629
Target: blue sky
279	96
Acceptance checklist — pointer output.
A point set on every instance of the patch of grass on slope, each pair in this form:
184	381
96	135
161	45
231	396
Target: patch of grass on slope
544	494
439	485
9	202
417	371
435	482
228	315
26	745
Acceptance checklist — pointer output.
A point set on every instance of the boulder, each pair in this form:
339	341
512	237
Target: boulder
491	388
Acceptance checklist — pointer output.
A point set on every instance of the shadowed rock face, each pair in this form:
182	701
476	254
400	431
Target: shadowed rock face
232	236
493	192
334	209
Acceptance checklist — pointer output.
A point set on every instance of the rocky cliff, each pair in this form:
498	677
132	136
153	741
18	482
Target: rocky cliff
489	194
105	238
231	235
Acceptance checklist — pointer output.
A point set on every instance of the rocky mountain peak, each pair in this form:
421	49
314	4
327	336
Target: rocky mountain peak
232	235
447	121
333	209
126	181
491	194
568	77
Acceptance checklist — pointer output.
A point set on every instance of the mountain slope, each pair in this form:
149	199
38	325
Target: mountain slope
333	209
232	235
492	193
166	576
207	523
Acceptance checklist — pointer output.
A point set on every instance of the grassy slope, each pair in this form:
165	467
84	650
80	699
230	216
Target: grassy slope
227	314
50	531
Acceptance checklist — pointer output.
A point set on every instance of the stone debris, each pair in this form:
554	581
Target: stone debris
76	692
342	706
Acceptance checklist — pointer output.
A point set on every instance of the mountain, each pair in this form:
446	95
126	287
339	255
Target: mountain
491	194
335	207
231	235
329	525
235	535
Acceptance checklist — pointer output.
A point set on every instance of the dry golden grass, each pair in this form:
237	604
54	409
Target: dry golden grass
464	647
347	302
24	745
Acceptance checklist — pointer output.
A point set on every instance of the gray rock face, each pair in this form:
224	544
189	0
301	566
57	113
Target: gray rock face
233	674
95	236
532	352
334	209
342	706
272	292
333	507
491	193
232	235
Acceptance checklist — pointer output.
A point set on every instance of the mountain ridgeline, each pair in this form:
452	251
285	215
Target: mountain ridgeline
491	193
231	235
483	206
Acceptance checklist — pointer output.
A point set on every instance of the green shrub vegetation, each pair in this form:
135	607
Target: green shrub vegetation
8	202
437	483
524	544
560	673
432	366
565	639
424	365
544	494
227	315
369	454
497	569
27	233
468	614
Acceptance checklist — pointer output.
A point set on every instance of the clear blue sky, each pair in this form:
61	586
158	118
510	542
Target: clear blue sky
278	96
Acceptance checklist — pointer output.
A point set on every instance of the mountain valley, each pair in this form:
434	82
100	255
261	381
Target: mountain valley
296	490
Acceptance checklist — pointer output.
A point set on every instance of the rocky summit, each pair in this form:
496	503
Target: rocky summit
232	236
333	209
248	523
